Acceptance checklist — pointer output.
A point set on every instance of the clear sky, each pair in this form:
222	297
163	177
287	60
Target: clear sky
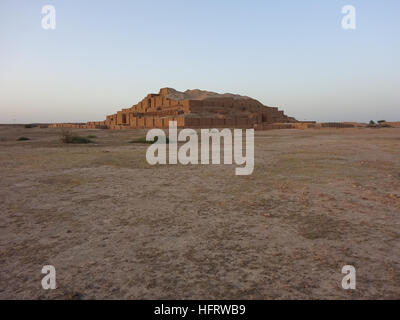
107	55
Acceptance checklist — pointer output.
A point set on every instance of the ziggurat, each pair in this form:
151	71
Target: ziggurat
191	109
200	109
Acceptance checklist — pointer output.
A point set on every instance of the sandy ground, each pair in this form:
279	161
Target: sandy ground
115	227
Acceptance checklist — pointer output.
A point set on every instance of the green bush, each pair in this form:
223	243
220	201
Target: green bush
28	126
91	136
68	137
143	140
79	139
23	139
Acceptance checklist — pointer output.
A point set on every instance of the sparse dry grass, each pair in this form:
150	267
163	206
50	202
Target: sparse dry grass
116	227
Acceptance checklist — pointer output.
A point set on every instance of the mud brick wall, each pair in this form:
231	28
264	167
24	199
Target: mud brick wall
271	126
140	123
336	125
165	122
180	122
242	123
149	122
218	123
158	123
230	123
119	118
192	122
205	122
394	123
133	121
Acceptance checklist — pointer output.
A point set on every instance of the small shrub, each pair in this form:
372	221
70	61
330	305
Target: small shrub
143	140
91	136
23	139
79	139
28	126
68	137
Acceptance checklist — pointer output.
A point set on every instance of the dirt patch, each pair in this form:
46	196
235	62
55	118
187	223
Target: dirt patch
116	227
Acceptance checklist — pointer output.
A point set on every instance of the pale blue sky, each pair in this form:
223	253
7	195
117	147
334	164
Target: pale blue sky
107	55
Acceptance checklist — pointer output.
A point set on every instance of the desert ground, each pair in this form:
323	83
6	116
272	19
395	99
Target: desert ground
115	227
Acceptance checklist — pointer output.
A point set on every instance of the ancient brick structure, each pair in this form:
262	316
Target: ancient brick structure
191	109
